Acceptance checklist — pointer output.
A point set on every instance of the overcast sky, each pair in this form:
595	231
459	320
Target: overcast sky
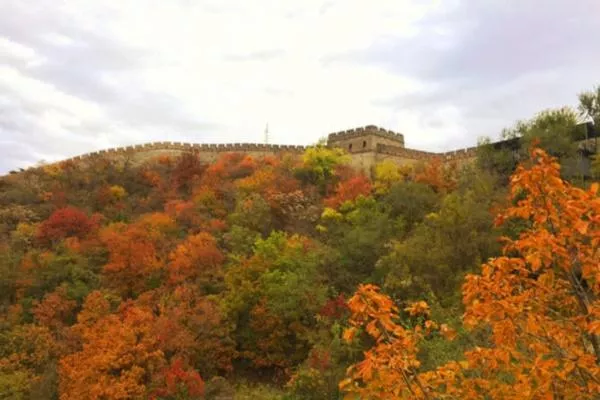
82	75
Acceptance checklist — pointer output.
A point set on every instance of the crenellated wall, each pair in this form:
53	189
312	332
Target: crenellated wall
178	147
361	139
366	146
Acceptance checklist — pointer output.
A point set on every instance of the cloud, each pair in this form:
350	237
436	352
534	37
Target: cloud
263	55
82	75
492	62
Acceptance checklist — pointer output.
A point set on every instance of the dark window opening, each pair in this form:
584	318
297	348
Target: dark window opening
350	146
364	143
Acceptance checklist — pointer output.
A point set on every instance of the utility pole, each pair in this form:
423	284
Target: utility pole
267	134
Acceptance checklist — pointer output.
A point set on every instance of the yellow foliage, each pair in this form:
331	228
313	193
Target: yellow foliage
117	192
386	174
52	170
330	213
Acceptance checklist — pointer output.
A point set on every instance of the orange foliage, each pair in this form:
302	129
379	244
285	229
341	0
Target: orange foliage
136	251
193	328
440	176
197	257
55	309
118	359
539	301
349	190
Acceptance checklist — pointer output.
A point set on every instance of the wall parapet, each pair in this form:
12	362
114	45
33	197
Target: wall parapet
193	148
461	154
362	131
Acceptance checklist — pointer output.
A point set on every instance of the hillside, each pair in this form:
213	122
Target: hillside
266	276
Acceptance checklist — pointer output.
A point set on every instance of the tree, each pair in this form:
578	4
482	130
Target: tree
120	358
448	243
410	201
553	130
65	222
273	297
441	177
55	310
387	173
180	383
252	212
539	299
589	105
137	252
197	258
192	328
320	163
25	353
358	234
538	302
349	190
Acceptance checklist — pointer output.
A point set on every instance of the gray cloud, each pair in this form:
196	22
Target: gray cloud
495	61
76	68
75	86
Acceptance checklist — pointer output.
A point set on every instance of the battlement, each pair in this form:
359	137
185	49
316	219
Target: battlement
194	148
364	131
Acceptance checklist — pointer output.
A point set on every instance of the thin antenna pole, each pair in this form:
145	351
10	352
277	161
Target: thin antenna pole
267	134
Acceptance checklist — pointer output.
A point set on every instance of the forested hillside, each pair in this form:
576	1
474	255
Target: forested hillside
296	277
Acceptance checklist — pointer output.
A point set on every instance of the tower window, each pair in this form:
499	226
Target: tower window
350	146
364	143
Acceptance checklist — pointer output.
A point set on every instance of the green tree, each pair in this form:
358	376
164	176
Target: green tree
319	164
358	234
440	250
411	201
589	105
273	297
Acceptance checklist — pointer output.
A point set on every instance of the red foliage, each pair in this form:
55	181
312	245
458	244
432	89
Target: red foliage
180	381
188	168
334	308
65	222
349	190
319	359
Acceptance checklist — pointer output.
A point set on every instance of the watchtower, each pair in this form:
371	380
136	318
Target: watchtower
362	140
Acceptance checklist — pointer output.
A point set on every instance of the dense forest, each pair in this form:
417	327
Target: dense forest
287	277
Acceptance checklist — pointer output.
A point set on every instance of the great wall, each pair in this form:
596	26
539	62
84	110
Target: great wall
366	146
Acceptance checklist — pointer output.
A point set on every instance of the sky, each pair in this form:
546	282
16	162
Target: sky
83	75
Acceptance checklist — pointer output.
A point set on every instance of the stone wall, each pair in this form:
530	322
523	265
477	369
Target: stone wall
364	139
208	151
370	145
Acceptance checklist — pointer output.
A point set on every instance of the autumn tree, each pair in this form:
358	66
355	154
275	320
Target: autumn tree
65	222
120	357
192	328
349	190
137	252
538	302
196	258
440	176
319	165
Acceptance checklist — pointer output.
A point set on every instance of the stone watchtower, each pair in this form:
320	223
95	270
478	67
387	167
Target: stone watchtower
361	140
363	144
